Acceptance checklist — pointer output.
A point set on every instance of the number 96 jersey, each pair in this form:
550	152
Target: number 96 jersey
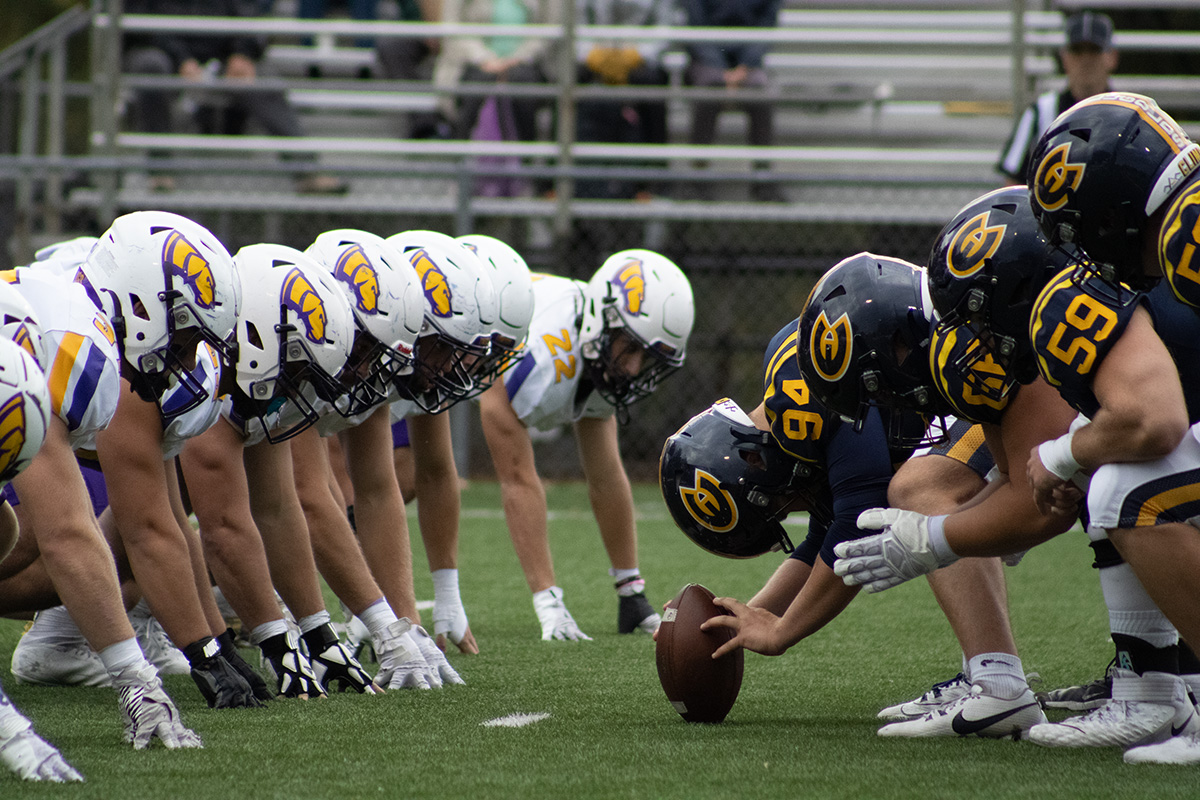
1076	320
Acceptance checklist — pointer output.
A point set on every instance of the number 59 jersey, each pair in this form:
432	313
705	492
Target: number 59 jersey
1075	322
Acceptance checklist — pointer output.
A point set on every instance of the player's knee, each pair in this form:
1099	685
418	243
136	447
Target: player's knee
933	485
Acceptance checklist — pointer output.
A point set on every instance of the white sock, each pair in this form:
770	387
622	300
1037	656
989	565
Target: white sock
628	581
1130	609
1000	674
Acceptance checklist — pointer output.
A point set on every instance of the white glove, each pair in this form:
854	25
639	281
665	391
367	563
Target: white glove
450	620
557	622
898	554
401	665
28	755
435	658
149	712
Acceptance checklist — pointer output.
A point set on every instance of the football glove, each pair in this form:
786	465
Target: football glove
557	622
435	658
242	667
289	666
332	662
401	665
219	682
148	711
898	554
28	755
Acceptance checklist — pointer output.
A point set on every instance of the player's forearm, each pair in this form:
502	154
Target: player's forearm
823	597
1006	522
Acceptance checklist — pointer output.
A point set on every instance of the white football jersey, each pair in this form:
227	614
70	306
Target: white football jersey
543	387
83	373
200	418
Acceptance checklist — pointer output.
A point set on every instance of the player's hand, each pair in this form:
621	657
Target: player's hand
899	553
28	755
401	665
221	684
557	622
1052	494
450	622
753	628
149	712
230	653
435	658
333	664
289	666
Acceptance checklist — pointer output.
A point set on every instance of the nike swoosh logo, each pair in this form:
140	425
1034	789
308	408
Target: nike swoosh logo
1176	731
965	727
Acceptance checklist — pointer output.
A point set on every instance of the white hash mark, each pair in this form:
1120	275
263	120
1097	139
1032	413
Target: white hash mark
515	720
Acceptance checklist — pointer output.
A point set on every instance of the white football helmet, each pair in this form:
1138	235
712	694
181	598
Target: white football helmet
514	303
157	275
294	335
643	295
385	295
460	312
19	323
24	409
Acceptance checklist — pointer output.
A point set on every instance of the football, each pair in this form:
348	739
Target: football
700	688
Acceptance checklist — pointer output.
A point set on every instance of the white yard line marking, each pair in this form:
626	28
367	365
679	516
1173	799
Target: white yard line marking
515	720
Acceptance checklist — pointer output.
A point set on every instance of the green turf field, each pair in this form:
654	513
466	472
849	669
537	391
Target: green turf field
804	725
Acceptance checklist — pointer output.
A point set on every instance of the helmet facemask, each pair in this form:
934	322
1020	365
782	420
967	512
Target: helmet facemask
370	373
443	371
618	347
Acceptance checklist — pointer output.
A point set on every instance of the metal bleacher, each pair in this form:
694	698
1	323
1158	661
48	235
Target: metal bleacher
887	112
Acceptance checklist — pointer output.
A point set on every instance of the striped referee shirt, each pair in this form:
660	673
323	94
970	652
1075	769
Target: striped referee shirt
1014	159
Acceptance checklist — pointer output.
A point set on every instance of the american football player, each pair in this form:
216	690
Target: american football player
422	445
594	349
864	343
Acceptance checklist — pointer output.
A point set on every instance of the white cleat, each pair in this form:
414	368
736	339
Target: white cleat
1144	710
52	652
974	714
940	695
557	622
156	645
1182	749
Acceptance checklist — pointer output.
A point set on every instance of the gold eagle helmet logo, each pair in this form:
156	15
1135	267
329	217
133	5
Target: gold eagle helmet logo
973	244
709	504
433	283
1056	177
12	432
830	347
632	283
300	296
183	260
355	269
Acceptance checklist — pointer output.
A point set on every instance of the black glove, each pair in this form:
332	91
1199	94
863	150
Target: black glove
333	663
220	683
230	652
291	669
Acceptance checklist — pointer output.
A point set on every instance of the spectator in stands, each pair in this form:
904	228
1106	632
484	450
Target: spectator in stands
1088	59
622	62
409	58
201	57
735	66
496	59
361	10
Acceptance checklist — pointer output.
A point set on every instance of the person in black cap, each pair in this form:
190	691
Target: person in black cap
1088	59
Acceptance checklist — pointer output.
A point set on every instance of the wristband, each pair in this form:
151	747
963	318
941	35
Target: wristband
1056	456
937	540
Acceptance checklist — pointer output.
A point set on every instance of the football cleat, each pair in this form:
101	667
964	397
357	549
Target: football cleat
52	652
1126	722
1182	749
156	645
635	613
938	696
557	622
1079	698
974	714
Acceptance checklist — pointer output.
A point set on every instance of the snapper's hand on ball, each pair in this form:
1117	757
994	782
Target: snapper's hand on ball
754	628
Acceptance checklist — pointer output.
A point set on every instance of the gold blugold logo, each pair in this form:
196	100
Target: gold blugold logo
973	245
830	347
183	260
433	282
709	504
300	296
1056	178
